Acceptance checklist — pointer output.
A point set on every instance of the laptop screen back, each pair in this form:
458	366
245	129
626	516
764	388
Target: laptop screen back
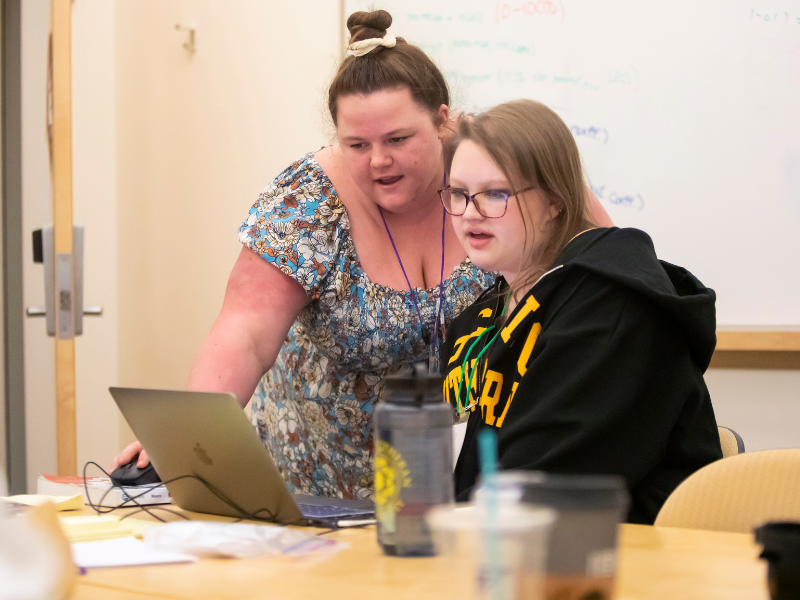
207	435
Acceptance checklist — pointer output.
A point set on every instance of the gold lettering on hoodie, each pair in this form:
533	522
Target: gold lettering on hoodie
493	385
525	355
462	341
508	403
530	306
453	382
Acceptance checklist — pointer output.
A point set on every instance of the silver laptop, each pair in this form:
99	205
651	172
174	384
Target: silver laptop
208	436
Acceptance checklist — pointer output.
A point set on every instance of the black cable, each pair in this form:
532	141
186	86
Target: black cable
132	500
331	523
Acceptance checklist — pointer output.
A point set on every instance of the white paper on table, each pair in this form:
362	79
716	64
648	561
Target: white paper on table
123	552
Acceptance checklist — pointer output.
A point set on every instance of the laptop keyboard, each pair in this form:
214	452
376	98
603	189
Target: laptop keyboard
316	511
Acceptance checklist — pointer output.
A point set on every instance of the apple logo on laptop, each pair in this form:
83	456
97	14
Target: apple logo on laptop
202	455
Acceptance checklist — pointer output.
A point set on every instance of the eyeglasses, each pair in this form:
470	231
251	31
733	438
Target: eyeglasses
492	203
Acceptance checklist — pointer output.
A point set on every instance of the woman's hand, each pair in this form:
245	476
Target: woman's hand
128	453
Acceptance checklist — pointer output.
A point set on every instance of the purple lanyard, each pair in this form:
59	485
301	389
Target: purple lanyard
434	341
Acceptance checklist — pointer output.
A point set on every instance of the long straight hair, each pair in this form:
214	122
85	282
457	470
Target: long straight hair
533	147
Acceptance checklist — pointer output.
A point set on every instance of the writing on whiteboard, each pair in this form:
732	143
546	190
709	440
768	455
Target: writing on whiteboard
435	18
460	77
626	76
503	11
622	80
633	201
511	77
488	46
516	48
598	134
773	17
574	81
475	16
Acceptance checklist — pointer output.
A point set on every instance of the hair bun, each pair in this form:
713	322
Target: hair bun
367	25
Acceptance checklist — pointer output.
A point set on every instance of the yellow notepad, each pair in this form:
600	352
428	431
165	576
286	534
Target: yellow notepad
89	528
94	527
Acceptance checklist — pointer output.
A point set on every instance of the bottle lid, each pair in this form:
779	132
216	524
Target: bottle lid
413	385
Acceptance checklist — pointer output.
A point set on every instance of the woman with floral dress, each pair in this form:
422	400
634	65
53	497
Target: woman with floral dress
349	270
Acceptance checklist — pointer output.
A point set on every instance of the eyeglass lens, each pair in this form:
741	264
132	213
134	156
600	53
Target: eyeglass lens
489	204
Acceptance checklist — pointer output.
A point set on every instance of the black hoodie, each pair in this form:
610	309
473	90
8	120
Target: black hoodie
599	369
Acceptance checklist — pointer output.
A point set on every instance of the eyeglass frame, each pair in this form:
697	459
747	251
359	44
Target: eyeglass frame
477	206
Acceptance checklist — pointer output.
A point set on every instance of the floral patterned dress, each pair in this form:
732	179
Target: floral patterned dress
313	409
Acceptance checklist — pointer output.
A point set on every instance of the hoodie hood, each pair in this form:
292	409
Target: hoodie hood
627	256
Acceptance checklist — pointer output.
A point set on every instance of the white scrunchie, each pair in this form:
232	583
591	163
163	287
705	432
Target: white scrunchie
365	46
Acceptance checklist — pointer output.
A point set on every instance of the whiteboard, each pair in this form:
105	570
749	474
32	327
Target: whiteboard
687	115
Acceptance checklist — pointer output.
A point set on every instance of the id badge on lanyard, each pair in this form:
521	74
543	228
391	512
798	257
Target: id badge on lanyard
434	368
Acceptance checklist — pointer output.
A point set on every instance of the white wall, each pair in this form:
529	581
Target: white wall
763	406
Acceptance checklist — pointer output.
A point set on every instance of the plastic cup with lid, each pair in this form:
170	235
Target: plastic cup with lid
493	555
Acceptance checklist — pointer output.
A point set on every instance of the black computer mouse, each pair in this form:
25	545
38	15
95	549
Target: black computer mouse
129	474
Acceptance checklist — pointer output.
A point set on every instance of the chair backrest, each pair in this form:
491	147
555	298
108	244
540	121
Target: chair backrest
731	442
737	493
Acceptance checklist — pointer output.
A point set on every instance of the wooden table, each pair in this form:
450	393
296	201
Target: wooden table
655	564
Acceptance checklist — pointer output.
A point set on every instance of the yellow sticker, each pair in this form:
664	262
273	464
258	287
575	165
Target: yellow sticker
391	476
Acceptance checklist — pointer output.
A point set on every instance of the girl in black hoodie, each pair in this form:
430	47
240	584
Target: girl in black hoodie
587	354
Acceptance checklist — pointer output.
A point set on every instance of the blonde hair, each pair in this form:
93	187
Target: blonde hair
533	147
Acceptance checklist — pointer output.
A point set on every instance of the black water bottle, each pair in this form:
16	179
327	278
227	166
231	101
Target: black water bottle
413	459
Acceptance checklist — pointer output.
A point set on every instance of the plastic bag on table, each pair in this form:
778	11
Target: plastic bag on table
35	559
236	540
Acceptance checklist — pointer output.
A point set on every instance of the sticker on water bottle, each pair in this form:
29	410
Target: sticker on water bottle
391	475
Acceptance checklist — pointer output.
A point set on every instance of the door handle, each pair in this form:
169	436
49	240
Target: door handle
63	279
41	311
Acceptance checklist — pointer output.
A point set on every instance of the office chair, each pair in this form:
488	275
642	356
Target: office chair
731	442
737	493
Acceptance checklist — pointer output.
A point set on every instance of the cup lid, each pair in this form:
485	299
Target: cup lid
509	518
563	492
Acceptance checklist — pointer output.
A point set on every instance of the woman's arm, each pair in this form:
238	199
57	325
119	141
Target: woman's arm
599	213
260	305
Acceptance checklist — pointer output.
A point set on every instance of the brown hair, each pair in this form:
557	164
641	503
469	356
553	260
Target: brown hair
533	147
404	65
